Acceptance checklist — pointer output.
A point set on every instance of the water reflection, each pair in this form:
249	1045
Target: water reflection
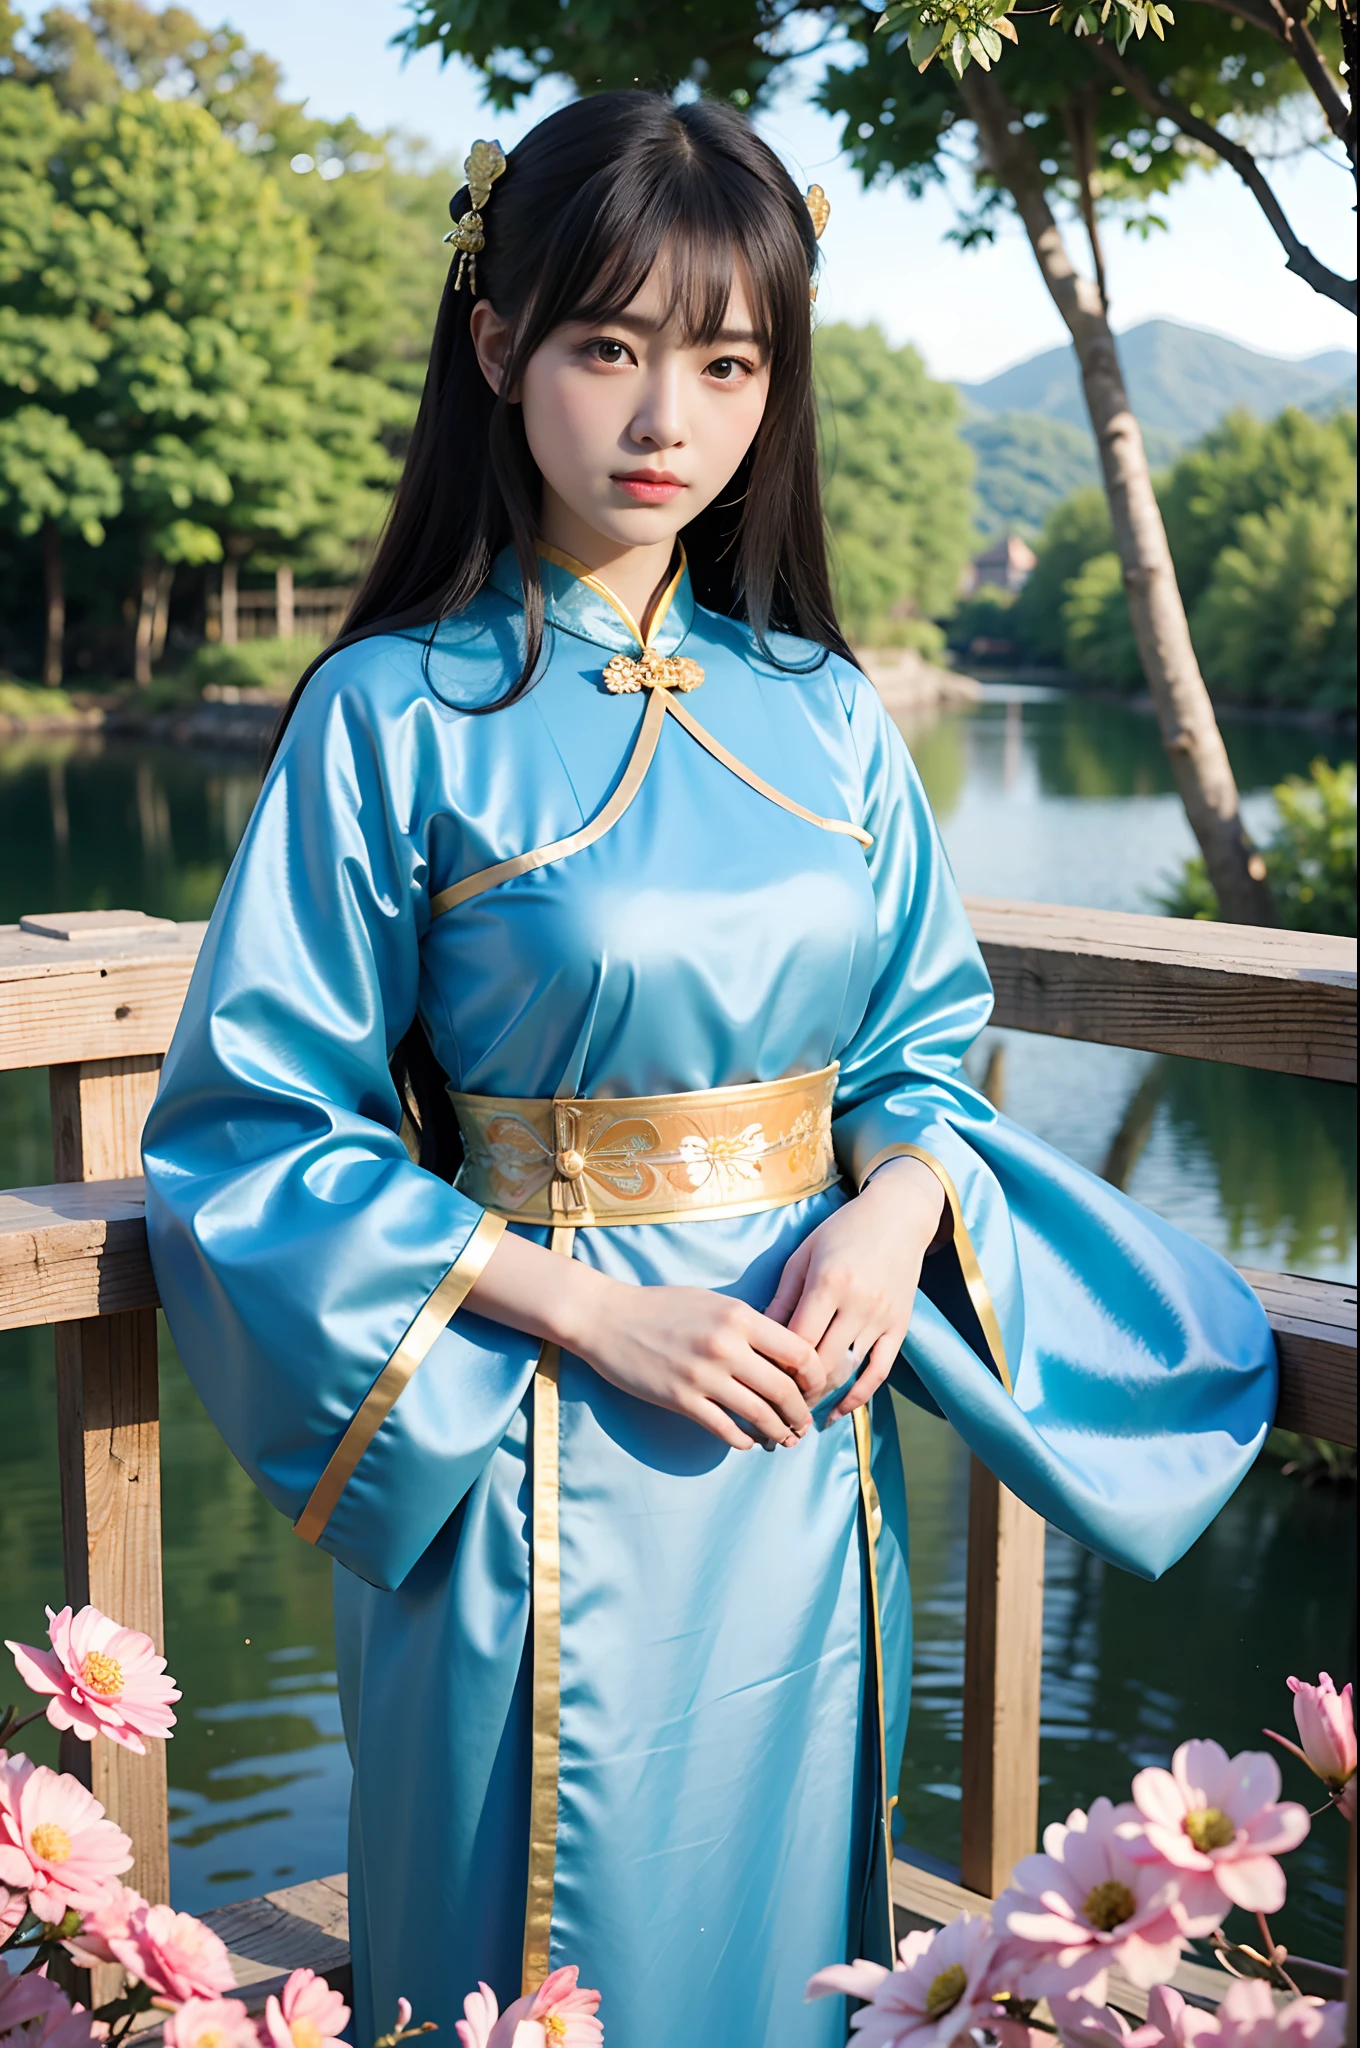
1055	800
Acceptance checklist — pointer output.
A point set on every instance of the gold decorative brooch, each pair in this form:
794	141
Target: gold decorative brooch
651	671
819	206
484	163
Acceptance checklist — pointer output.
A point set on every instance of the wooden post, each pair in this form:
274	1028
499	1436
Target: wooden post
283	601
1003	1653
108	1436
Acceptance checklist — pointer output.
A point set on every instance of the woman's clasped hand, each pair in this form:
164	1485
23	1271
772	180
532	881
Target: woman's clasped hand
839	1316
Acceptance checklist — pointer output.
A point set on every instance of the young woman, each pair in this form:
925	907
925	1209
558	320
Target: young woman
590	870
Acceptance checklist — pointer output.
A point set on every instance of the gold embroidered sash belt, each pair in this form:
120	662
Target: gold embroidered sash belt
649	1158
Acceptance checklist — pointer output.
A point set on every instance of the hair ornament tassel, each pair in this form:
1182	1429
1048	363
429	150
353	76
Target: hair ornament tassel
484	163
819	206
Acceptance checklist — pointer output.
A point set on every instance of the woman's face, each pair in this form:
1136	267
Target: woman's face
634	429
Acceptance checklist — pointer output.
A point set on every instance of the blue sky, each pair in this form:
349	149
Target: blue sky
885	257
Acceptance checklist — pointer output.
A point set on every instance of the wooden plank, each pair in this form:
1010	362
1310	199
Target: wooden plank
108	1446
1284	1001
305	1927
98	1110
1003	1658
95	998
71	1252
1314	1325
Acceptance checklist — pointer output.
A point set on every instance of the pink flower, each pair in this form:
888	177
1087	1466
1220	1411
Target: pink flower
55	1842
110	1917
940	1989
13	1906
307	2014
558	2015
210	2023
173	1954
1171	2020
1249	2018
36	2014
104	1680
1171	2023
1216	1821
1084	1904
1326	1723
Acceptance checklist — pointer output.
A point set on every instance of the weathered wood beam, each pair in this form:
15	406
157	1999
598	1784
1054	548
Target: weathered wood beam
71	1252
305	1927
1284	1001
1314	1325
108	1445
102	994
1002	1665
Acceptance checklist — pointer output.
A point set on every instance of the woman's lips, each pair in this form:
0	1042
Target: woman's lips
650	490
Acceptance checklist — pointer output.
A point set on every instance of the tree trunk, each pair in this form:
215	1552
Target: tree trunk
145	634
283	601
55	593
160	624
230	627
1190	734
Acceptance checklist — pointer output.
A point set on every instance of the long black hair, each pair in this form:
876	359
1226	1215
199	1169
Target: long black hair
590	202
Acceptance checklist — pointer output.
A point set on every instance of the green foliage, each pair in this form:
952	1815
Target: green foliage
26	703
1025	466
1097	635
1074	533
898	484
272	665
1277	623
1262	524
1249	465
1310	857
48	473
986	616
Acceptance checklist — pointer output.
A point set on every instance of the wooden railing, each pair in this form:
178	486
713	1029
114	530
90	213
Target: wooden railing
94	998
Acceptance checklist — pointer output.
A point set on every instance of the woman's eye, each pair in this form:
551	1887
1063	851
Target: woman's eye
609	352
726	370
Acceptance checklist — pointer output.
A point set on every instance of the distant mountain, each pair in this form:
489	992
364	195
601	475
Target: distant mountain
1033	441
1182	382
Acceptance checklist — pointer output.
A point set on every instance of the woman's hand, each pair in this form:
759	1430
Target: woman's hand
699	1354
850	1286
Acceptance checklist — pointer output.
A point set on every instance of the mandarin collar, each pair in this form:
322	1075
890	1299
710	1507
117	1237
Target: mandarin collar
577	602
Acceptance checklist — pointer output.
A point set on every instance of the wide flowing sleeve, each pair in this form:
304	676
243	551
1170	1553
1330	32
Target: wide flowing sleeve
1116	1374
311	1273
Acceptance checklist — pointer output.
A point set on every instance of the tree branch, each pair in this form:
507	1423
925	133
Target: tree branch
1161	102
1275	21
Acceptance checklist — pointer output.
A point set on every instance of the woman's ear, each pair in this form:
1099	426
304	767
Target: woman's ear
491	339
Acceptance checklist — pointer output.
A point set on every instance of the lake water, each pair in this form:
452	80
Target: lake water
1039	797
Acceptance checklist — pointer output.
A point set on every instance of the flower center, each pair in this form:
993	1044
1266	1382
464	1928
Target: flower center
1109	1905
1209	1828
209	2037
102	1674
948	1988
306	2033
555	2027
51	1842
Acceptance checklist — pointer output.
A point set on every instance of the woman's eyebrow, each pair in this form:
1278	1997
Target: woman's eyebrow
728	336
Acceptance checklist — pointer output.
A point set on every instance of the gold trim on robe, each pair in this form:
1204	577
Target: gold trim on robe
430	1319
969	1265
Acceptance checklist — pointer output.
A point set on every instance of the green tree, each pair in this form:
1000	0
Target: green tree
1075	533
52	484
898	483
1277	621
1249	465
1311	855
1026	465
1097	636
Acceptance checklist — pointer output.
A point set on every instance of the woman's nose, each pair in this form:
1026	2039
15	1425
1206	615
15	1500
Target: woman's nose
659	421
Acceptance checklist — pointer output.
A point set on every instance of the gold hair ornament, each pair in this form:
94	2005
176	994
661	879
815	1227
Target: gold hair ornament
484	163
819	206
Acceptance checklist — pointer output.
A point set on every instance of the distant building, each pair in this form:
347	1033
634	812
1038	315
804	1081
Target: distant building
1006	565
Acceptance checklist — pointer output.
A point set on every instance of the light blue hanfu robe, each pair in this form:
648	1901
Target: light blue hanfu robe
717	1834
